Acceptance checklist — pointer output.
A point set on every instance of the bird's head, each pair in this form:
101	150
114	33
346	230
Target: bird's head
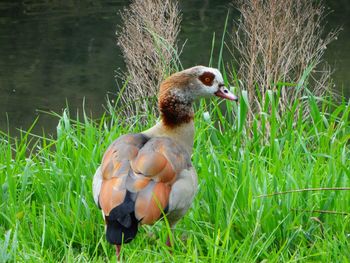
178	92
196	82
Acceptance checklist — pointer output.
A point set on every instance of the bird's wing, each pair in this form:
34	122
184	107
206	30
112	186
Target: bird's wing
96	185
137	175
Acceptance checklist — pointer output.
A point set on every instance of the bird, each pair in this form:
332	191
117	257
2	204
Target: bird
148	175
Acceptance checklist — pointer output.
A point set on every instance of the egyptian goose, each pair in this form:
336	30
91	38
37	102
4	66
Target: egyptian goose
148	174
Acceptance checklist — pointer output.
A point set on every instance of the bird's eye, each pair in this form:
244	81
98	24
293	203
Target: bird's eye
207	78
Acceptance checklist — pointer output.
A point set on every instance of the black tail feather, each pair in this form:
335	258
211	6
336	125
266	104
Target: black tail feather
117	234
122	224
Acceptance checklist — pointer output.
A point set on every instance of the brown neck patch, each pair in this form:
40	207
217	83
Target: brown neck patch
175	111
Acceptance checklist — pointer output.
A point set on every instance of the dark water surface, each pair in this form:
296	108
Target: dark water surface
64	51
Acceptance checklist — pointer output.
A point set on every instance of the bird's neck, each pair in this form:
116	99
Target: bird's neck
175	108
176	113
182	134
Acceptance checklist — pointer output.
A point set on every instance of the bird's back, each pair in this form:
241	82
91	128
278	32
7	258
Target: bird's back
135	182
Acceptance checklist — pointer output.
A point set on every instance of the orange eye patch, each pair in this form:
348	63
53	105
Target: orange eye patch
207	78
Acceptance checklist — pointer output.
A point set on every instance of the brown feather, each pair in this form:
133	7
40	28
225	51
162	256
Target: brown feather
150	203
149	163
173	111
112	194
145	168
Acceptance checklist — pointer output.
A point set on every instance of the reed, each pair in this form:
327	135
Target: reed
273	42
148	41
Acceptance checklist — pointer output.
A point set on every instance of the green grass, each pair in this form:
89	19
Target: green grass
47	213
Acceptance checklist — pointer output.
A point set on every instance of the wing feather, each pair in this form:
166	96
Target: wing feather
151	201
146	168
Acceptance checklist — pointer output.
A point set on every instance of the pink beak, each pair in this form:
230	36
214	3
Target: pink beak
223	92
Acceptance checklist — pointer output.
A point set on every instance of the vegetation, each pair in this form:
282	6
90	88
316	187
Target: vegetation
274	189
274	42
47	212
150	61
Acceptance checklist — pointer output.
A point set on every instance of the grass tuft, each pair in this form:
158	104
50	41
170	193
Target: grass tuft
47	211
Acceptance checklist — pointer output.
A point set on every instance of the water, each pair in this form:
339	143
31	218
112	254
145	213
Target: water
58	53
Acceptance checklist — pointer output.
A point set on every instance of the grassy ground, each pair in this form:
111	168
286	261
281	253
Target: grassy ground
47	212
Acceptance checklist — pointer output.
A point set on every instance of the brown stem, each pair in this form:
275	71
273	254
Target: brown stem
305	190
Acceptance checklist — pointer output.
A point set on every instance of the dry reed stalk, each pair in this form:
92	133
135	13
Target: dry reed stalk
147	39
305	190
275	42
